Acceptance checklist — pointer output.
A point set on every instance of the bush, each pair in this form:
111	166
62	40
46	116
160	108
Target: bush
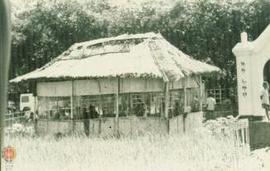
204	149
222	127
20	130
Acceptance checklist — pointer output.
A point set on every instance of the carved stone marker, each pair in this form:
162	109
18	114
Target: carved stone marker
253	67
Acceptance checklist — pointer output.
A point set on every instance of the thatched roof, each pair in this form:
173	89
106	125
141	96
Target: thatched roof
139	55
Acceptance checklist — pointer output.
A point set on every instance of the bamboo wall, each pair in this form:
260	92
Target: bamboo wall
106	86
128	126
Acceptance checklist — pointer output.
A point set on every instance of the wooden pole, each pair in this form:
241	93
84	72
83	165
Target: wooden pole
117	97
201	92
100	109
185	94
166	98
166	108
5	46
72	106
117	107
185	105
72	100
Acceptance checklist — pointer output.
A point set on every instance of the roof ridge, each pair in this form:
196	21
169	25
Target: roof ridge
97	41
165	77
120	37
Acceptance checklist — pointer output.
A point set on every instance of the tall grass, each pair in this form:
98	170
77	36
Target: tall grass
199	151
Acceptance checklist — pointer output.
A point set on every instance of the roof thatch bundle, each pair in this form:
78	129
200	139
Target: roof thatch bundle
139	55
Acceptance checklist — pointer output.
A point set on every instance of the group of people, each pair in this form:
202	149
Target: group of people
211	102
91	113
210	107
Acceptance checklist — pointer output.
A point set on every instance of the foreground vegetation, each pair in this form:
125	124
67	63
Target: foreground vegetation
194	151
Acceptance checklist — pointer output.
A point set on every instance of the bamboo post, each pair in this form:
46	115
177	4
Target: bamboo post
99	125
185	105
47	124
220	95
201	92
72	100
166	110
145	109
5	46
185	94
72	106
236	136
242	134
117	107
99	107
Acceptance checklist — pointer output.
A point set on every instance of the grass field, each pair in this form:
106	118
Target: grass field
198	151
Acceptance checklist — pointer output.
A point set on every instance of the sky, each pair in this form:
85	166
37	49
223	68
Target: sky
115	2
120	2
26	4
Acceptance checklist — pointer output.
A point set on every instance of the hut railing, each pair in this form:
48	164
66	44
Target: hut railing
241	132
14	117
238	131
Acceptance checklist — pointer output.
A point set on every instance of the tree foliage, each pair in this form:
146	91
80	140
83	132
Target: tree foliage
204	29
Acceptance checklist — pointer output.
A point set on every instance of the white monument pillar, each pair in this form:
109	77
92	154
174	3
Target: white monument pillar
251	58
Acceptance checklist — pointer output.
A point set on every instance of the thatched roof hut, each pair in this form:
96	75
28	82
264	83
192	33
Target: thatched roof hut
141	74
139	55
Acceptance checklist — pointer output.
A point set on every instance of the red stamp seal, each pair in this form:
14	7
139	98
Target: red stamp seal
9	153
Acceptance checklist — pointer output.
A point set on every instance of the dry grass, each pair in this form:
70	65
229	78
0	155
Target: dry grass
193	152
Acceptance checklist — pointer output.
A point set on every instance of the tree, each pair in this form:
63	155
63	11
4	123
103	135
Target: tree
205	29
42	33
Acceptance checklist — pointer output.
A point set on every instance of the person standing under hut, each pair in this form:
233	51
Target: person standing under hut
86	121
265	98
210	107
92	112
36	122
